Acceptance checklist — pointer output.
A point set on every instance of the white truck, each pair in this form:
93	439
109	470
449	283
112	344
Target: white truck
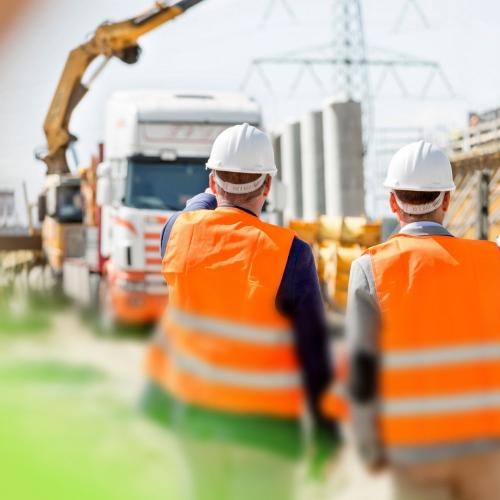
156	146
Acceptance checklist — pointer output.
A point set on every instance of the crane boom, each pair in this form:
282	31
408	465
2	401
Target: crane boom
118	39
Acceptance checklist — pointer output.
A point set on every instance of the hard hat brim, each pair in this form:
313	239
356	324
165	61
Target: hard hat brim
239	170
427	189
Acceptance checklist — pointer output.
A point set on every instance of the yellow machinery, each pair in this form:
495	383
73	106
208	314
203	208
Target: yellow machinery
337	242
60	205
60	209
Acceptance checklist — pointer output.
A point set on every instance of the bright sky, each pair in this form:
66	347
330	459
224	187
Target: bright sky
210	47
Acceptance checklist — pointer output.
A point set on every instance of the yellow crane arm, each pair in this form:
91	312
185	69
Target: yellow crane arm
109	40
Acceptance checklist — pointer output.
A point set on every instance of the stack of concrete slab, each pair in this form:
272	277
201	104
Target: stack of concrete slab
321	160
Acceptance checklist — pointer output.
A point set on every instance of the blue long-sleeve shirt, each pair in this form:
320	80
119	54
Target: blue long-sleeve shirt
298	298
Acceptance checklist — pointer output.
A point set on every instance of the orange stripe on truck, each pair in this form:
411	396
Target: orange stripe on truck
153	248
124	223
152	236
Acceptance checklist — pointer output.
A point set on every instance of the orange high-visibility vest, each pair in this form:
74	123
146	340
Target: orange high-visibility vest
439	300
224	345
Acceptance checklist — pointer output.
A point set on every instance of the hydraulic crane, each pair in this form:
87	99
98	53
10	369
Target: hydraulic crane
116	39
60	203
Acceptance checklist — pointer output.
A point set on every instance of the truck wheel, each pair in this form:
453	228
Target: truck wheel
107	324
95	283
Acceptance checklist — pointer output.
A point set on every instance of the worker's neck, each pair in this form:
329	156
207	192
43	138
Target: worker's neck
252	206
404	221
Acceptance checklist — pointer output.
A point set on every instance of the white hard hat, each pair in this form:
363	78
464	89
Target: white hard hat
420	166
244	149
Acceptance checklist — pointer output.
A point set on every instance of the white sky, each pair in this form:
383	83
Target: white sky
210	47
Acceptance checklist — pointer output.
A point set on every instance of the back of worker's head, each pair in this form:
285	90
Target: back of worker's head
420	179
242	164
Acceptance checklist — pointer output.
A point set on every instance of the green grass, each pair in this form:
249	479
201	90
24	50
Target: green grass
24	319
28	315
41	372
62	436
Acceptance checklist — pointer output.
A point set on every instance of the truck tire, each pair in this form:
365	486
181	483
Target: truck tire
107	324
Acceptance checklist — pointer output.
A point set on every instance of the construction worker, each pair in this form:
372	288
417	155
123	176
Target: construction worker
423	326
243	348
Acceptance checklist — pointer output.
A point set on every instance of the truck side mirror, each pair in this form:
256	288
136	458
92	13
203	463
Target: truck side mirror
41	207
103	192
103	188
277	199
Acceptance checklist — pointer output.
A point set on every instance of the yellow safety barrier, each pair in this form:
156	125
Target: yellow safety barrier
349	230
336	243
337	271
307	231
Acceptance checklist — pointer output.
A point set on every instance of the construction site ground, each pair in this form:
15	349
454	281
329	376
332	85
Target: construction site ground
70	425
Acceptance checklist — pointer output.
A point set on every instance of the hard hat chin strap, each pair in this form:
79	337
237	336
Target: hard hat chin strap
249	187
426	208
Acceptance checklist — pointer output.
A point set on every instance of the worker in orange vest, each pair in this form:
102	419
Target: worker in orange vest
423	325
243	349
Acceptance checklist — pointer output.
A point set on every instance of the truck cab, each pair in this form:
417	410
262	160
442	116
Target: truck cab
60	210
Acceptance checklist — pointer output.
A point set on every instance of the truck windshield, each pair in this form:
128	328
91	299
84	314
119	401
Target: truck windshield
69	204
164	185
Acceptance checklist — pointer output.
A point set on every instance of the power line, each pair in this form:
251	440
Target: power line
410	4
271	7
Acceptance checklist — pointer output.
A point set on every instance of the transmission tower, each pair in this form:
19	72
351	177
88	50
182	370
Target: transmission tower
342	67
346	55
348	46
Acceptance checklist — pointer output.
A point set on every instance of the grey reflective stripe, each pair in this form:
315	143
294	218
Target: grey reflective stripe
271	380
419	454
212	373
442	356
441	404
231	330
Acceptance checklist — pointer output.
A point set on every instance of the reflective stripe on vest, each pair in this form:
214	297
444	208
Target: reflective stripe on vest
489	351
230	330
214	373
441	404
223	344
440	342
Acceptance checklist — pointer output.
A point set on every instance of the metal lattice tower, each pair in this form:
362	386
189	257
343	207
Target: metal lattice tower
348	46
346	55
350	79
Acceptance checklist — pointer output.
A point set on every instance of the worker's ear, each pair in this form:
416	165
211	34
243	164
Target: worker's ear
211	183
267	186
446	201
393	203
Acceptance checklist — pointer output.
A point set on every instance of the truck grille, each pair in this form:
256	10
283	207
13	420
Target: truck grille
153	227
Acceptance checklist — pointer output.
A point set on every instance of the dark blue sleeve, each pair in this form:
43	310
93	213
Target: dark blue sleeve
299	298
203	201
